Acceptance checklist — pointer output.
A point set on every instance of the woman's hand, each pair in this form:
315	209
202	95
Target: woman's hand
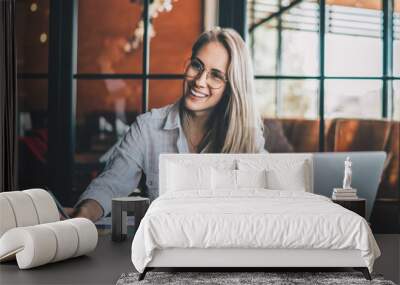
68	211
89	209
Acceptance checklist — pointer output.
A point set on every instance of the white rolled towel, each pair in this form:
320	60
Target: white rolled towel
7	218
45	206
40	244
26	208
23	208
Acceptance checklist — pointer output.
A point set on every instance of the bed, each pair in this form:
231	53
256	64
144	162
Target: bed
247	210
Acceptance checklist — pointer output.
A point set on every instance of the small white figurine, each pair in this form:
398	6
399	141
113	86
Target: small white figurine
347	174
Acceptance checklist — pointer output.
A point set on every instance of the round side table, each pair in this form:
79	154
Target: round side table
121	208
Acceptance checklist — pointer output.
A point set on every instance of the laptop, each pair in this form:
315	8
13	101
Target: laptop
367	167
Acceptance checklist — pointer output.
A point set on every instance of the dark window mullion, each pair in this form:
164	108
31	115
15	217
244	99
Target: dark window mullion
278	66
325	77
32	75
146	56
100	76
387	87
321	98
61	99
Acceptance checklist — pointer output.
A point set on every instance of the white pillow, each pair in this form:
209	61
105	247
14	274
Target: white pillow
293	179
188	177
223	179
226	179
251	178
283	174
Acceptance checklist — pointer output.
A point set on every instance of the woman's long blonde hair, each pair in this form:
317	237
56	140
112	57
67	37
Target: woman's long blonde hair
234	123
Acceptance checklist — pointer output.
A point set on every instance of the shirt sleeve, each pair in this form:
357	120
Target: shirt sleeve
122	171
260	141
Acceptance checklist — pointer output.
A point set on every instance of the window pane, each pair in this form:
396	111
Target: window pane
104	109
295	128
396	100
396	57
164	92
295	134
171	44
112	43
32	32
263	40
298	98
296	30
300	40
264	50
32	133
396	39
300	53
354	39
265	97
298	36
353	98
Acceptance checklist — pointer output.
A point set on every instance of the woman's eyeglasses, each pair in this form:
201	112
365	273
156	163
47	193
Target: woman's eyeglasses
215	79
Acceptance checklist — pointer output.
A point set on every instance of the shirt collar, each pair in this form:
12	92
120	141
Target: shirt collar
173	120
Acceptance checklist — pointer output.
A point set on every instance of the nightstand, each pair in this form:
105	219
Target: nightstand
121	208
357	205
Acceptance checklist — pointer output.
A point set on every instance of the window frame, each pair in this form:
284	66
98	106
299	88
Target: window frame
387	54
62	78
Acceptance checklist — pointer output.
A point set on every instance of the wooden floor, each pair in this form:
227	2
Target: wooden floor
110	260
389	262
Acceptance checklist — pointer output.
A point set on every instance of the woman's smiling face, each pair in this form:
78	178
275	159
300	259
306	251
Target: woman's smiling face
199	96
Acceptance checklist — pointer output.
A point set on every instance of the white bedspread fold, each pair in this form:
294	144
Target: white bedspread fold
252	218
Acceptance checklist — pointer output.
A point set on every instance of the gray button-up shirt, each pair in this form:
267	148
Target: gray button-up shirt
155	132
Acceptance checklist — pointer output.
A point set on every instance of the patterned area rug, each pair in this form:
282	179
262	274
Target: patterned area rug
229	278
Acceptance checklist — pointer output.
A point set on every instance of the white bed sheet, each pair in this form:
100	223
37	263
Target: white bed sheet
251	218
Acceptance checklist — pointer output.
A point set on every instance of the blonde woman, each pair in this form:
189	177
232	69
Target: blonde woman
215	114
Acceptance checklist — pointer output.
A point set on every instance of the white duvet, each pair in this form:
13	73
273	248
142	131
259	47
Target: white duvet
253	218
